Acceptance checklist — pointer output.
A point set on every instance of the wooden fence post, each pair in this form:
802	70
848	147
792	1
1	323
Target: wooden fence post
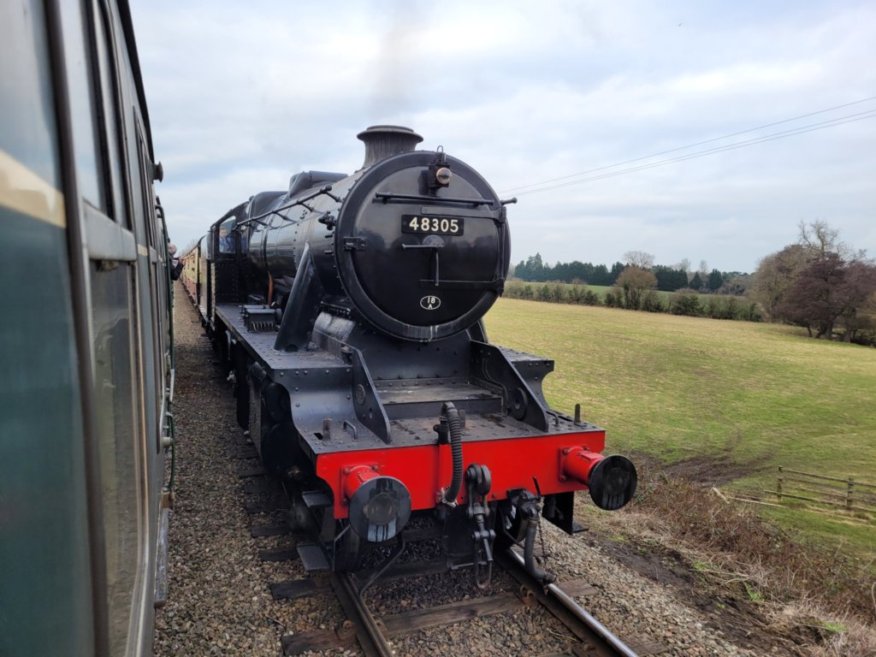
849	491
779	485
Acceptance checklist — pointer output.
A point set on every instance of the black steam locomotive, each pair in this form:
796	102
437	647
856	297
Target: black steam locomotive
348	309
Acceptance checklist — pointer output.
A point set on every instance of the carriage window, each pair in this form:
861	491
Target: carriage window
114	321
109	93
89	174
145	185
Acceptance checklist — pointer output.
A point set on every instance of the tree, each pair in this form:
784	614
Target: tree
736	283
639	259
860	312
775	275
684	265
669	279
696	283
827	290
600	276
634	282
716	280
818	283
616	270
819	238
533	269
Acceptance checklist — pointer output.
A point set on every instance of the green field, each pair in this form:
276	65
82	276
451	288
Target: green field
676	387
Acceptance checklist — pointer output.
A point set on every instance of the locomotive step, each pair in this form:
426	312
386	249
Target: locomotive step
312	557
316	499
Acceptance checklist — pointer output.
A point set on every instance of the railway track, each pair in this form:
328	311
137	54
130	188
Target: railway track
373	633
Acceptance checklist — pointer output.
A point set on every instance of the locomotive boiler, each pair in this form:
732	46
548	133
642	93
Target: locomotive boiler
349	310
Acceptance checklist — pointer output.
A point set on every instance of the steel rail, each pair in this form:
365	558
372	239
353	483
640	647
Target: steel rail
565	609
368	631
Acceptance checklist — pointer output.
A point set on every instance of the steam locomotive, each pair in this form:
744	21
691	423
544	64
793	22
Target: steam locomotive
348	309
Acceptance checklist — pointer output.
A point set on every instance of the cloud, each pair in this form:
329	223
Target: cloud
241	97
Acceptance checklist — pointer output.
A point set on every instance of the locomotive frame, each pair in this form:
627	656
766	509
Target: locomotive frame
362	368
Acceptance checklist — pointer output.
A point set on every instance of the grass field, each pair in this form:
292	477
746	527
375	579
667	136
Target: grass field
676	387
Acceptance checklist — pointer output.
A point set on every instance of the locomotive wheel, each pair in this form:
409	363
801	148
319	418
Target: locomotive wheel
277	450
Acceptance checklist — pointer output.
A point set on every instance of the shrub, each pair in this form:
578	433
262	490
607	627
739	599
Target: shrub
731	310
591	298
614	298
713	307
576	294
513	291
652	303
544	293
685	302
751	312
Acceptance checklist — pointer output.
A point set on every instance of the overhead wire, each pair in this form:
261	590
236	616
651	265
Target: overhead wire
582	176
727	147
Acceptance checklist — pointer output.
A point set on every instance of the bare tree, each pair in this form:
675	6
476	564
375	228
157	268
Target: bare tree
684	265
635	282
819	238
639	259
775	275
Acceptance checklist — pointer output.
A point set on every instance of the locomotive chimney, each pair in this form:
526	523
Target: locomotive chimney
383	141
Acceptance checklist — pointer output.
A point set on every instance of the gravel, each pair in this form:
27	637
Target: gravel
219	602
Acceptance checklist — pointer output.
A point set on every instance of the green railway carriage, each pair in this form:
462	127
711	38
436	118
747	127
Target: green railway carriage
86	365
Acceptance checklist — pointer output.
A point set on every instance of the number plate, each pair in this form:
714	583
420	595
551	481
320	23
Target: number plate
422	224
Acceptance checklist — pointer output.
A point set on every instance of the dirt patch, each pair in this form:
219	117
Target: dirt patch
726	609
754	582
703	470
710	470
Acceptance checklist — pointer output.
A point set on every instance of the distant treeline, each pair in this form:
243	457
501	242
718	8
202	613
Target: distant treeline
684	301
669	279
818	283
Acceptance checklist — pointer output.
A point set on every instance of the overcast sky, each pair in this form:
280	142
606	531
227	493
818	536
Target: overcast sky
243	95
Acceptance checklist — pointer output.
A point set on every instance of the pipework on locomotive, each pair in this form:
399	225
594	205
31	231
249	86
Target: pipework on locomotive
348	309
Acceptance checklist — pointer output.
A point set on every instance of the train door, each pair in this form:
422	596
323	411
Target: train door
115	312
45	548
149	347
